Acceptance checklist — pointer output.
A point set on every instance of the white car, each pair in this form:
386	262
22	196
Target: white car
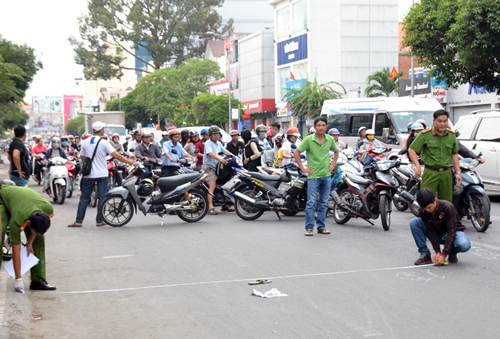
480	132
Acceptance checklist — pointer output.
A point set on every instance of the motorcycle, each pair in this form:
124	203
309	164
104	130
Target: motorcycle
71	166
39	168
58	179
256	193
178	195
111	172
367	198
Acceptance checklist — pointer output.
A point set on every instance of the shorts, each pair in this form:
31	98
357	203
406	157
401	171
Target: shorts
211	176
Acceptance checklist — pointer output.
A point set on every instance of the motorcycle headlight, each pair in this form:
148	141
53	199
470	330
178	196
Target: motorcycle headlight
469	165
383	166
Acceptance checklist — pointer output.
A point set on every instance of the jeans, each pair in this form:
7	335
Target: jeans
147	172
315	187
87	187
18	181
419	232
368	162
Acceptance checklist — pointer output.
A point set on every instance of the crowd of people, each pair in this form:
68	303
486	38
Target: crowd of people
437	146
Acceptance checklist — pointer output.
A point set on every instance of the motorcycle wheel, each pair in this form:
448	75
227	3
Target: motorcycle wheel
93	196
110	213
385	213
199	212
244	210
60	192
339	215
400	206
70	188
289	213
481	219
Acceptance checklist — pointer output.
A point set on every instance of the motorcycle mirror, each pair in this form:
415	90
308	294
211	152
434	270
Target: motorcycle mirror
221	153
474	147
197	151
294	147
480	154
403	151
132	150
174	151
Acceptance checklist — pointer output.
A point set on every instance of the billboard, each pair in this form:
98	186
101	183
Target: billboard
234	76
47	116
48	104
420	85
292	50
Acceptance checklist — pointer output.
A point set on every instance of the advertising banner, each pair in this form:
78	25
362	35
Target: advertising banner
234	76
48	104
292	50
45	123
294	85
421	86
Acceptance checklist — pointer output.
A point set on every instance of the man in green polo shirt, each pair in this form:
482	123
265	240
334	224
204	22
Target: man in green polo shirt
439	149
28	211
319	170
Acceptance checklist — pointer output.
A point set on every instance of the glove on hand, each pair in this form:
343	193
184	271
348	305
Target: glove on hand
19	286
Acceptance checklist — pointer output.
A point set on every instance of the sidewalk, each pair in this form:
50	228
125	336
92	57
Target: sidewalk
15	308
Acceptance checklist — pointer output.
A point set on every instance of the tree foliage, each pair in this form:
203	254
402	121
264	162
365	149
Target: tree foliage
18	66
169	30
210	109
134	112
307	101
169	91
458	40
75	126
379	84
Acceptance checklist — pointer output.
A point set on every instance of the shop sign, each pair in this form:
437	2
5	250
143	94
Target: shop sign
292	50
264	105
282	112
420	85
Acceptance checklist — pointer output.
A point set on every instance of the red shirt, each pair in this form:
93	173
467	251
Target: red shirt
38	149
200	146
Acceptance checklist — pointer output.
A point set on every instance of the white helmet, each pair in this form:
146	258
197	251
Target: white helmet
56	142
361	129
370	132
312	130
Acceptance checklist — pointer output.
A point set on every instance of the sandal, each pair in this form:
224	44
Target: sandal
260	281
100	224
323	231
75	225
227	209
309	233
212	211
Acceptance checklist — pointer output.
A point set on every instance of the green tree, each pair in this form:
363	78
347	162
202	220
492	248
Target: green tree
134	112
307	101
18	66
169	91
75	125
379	84
210	109
169	31
458	40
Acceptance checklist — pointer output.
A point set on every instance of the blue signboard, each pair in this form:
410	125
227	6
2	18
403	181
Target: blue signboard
296	84
292	50
245	124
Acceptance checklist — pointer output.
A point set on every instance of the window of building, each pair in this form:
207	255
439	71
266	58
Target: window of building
299	16
300	71
282	22
284	74
488	130
466	127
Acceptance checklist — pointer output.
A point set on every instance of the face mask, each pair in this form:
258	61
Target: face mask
65	143
262	135
370	137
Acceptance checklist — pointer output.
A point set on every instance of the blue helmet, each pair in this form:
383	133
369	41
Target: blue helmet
409	126
203	131
417	126
333	131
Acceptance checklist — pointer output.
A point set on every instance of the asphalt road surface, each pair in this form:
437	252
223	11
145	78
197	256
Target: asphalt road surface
185	280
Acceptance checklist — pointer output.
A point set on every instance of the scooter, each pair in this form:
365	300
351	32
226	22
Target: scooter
58	179
179	195
71	166
39	168
367	198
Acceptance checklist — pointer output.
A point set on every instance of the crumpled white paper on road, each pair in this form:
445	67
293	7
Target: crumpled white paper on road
272	293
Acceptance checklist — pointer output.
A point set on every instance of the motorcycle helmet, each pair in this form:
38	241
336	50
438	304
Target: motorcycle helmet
362	128
269	134
333	131
204	131
312	130
370	134
146	187
56	142
422	121
408	127
193	134
213	130
173	132
260	129
70	137
128	137
293	131
417	127
234	132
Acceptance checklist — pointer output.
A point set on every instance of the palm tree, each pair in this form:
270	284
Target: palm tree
381	85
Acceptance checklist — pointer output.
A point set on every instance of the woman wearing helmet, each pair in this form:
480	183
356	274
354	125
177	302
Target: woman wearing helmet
115	142
414	130
261	132
422	121
362	135
335	134
251	155
54	151
370	142
190	146
405	142
292	136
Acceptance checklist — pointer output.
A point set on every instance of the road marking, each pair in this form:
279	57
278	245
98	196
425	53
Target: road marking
249	279
119	256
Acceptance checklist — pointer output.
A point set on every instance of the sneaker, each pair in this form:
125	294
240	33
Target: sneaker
424	259
452	258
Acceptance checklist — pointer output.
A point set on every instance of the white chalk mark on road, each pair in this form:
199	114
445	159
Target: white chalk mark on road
118	256
248	279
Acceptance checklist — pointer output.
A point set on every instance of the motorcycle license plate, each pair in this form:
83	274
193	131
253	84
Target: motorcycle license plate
228	186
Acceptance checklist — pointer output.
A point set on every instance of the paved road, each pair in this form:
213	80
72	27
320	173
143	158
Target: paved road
190	280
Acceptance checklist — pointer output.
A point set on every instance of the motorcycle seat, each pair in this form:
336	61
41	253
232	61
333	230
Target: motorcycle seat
168	184
264	177
359	180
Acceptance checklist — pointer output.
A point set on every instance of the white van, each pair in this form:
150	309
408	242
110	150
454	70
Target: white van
392	114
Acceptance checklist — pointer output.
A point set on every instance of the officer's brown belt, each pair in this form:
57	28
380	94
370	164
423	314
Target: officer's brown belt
442	169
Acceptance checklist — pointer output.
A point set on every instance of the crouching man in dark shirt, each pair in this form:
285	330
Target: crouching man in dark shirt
438	222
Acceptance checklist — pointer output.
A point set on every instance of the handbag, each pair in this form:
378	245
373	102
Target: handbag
87	164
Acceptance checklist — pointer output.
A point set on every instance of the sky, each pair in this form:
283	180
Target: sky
46	26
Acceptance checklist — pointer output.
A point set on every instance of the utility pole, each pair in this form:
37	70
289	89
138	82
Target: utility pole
412	72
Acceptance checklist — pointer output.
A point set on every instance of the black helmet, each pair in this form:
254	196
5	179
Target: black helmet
146	187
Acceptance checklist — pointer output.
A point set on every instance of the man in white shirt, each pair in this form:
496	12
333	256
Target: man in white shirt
99	173
292	136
